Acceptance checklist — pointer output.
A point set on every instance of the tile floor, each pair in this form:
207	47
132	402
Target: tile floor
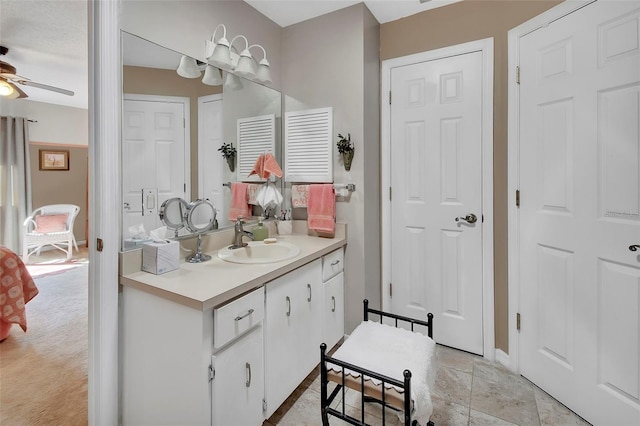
468	391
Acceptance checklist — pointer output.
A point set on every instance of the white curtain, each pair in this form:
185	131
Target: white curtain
15	181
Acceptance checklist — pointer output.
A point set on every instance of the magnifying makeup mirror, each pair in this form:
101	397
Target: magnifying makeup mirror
172	213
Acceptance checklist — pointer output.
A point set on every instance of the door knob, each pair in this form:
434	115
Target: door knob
634	247
127	206
470	218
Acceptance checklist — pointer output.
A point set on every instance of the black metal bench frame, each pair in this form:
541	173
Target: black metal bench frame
405	384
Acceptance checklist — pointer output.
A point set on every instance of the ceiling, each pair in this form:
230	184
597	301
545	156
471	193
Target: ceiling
48	41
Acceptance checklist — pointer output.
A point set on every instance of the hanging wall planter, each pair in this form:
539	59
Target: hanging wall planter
346	150
229	154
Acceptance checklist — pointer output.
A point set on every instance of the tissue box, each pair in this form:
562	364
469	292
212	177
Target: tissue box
160	257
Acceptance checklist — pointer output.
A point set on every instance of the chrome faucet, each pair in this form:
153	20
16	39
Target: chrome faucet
239	233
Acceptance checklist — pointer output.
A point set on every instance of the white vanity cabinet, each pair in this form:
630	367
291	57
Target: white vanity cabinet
237	369
238	382
166	353
333	297
293	331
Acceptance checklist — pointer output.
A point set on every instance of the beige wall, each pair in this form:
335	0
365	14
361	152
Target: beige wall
154	81
459	23
333	61
62	186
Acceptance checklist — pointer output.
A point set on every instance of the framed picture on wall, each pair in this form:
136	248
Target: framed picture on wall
54	159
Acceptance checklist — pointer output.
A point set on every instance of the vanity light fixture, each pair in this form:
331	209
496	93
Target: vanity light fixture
212	76
232	82
188	68
219	53
263	73
245	67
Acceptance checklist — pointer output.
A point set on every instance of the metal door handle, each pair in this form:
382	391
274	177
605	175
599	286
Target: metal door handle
288	306
248	368
309	298
470	218
634	247
127	206
239	317
333	299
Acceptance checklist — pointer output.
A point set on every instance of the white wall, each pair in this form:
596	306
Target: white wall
55	123
332	73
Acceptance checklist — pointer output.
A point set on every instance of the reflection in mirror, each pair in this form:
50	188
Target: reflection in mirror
172	213
187	163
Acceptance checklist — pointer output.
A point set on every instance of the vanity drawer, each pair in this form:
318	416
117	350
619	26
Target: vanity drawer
237	317
332	264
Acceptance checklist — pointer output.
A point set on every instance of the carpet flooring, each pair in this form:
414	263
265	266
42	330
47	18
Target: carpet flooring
43	372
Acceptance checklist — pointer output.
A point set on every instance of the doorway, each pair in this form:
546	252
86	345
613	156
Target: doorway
575	159
437	182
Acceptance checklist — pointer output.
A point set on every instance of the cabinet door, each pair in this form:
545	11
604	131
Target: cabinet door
308	329
293	330
238	383
333	310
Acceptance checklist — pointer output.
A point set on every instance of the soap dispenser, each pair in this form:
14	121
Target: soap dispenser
260	232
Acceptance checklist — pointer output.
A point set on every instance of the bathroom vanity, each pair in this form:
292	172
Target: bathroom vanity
226	343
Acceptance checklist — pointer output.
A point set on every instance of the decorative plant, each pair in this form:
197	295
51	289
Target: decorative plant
229	154
346	150
344	144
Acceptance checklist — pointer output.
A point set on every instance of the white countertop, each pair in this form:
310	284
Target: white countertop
206	285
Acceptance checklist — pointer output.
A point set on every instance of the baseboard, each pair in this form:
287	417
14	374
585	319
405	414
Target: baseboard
502	358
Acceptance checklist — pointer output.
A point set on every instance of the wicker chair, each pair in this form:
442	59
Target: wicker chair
45	226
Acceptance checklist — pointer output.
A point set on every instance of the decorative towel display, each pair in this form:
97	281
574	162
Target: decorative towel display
299	195
16	289
252	191
266	164
268	196
239	201
321	208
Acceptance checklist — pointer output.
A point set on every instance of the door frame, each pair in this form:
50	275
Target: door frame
513	174
486	47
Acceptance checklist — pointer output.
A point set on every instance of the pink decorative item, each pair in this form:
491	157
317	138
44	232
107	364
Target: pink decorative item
321	208
16	289
239	201
46	223
299	195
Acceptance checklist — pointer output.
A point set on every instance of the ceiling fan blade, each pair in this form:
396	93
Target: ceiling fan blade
45	87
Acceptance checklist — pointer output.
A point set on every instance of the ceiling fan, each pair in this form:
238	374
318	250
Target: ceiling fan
9	81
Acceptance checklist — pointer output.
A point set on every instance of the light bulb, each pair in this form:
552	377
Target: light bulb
5	88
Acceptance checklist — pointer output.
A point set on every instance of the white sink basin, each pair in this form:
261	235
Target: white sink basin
259	252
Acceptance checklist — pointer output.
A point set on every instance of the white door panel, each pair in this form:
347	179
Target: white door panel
153	159
211	165
436	137
579	212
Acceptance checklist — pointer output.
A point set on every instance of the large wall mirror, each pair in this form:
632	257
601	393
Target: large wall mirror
172	129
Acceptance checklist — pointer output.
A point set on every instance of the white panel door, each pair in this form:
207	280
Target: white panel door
153	159
210	162
580	210
436	177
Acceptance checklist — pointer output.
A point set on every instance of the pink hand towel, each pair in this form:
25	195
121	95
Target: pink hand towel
258	168
321	208
239	201
271	165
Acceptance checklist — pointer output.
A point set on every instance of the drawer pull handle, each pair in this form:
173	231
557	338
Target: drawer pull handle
309	298
239	317
333	299
288	306
248	368
334	263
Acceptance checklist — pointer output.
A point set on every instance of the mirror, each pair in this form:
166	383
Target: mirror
172	130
